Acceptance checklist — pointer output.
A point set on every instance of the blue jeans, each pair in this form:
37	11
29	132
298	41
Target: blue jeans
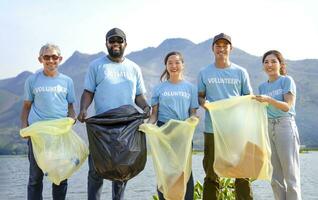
95	184
190	184
35	185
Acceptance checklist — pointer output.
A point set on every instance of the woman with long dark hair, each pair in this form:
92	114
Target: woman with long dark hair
279	91
174	98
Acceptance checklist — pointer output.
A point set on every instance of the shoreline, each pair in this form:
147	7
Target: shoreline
194	152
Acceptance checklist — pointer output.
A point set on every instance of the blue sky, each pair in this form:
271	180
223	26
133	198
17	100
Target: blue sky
256	26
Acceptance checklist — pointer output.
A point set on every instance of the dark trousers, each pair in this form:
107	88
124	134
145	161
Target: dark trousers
95	184
190	184
35	185
211	186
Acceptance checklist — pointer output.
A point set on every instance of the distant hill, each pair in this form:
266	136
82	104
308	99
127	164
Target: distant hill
151	62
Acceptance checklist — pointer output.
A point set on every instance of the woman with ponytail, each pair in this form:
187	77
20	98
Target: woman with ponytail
174	98
279	91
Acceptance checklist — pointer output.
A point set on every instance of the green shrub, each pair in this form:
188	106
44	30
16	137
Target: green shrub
155	197
227	190
198	191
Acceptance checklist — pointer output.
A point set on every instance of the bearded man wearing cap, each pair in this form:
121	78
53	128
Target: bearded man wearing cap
220	80
101	84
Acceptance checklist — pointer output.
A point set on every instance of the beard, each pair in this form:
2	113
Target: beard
116	54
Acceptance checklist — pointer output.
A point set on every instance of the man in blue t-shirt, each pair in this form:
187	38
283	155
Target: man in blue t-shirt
112	81
48	95
220	80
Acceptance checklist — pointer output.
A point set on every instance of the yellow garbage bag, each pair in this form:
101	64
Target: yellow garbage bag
171	149
242	148
57	149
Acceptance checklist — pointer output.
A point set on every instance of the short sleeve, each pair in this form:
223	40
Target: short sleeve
28	94
201	84
70	92
194	97
246	84
155	96
289	85
90	80
140	86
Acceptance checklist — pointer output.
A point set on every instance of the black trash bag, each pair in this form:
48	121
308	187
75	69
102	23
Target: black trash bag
117	148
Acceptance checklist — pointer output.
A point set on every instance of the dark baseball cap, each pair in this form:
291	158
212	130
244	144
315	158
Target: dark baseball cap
222	36
115	32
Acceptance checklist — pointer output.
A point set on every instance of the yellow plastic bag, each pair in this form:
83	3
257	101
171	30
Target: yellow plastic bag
57	149
242	148
171	149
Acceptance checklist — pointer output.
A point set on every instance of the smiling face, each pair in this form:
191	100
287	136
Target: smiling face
272	66
50	59
174	66
116	47
222	49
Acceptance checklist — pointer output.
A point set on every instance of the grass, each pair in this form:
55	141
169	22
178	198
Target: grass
307	150
195	152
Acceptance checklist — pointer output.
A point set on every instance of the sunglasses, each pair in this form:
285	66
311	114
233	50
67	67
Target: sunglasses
48	57
113	40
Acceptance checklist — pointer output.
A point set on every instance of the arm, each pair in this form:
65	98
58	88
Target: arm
71	99
285	105
193	112
246	84
201	99
27	103
194	104
141	102
86	100
71	111
25	114
154	115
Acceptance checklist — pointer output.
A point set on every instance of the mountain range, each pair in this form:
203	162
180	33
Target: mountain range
151	62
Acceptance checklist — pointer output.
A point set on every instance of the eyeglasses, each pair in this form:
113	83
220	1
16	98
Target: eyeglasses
48	57
112	40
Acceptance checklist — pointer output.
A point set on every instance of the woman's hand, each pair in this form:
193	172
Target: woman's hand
262	98
194	118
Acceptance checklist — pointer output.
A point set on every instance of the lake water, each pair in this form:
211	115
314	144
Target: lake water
14	176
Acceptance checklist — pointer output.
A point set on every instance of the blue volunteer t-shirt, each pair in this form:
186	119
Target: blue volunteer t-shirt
276	90
113	84
221	84
50	96
174	100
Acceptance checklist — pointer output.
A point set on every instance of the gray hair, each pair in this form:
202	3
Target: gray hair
50	46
